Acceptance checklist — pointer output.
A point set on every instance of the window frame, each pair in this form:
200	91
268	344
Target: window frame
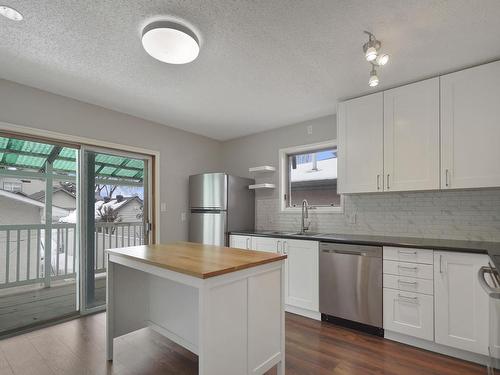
283	177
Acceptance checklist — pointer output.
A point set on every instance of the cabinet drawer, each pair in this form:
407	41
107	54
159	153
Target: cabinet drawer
409	313
412	255
422	271
409	284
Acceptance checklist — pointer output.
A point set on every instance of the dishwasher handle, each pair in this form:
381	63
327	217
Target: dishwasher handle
346	252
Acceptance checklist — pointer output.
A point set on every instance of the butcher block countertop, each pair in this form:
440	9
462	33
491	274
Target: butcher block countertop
194	259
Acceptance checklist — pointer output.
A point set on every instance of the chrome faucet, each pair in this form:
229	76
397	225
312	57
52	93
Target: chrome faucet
305	215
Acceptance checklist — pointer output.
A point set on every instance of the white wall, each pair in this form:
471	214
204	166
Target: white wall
182	153
473	215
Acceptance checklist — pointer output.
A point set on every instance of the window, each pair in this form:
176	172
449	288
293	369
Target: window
15	187
310	173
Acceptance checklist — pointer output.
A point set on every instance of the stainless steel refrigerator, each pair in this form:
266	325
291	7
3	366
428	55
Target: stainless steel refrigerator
219	203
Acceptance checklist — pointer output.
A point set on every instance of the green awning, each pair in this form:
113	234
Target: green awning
32	156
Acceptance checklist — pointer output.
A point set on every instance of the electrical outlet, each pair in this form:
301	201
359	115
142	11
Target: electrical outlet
163	207
183	216
352	218
309	129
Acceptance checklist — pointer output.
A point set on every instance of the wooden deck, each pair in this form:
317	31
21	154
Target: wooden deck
25	306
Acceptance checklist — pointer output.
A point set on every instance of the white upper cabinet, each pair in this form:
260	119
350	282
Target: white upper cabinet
360	144
470	128
461	306
411	137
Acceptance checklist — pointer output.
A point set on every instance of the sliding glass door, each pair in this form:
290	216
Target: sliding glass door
115	213
38	232
61	207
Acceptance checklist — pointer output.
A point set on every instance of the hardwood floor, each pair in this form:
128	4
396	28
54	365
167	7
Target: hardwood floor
77	347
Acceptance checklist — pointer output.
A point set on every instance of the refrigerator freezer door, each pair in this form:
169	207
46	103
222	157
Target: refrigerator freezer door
208	191
208	227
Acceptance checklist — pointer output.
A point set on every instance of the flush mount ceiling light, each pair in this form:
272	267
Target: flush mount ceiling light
374	57
10	13
170	42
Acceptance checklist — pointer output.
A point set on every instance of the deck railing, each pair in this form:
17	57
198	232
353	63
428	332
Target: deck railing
23	250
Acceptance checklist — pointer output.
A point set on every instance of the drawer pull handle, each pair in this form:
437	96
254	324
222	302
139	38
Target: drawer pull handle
407	252
408	268
413	300
408	282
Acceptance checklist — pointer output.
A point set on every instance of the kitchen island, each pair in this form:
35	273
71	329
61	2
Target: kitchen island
225	305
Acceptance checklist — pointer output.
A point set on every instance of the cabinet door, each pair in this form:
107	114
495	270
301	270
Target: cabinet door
360	144
409	313
272	245
470	128
302	274
240	242
461	306
411	137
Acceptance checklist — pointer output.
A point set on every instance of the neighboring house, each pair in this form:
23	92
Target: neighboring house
35	189
60	198
127	209
16	208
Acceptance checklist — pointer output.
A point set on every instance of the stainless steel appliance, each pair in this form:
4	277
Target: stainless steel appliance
350	285
489	279
219	203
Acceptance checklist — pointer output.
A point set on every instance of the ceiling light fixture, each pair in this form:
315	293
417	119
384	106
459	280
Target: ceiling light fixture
170	42
374	57
10	13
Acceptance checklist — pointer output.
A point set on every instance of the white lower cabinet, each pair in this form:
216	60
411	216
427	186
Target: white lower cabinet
270	244
301	269
461	304
240	242
408	292
409	313
302	274
436	296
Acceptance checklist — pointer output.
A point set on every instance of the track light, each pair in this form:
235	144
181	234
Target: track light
373	81
374	57
371	54
382	59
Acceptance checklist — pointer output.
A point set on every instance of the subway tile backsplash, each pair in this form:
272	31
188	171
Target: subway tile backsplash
463	215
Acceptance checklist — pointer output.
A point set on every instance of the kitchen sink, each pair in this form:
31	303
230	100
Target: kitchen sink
306	234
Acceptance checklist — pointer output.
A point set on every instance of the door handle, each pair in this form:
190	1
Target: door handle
408	268
407	252
408	282
446	173
378	182
388	187
492	292
413	300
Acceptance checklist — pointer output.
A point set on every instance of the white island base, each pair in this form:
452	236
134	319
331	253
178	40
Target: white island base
233	322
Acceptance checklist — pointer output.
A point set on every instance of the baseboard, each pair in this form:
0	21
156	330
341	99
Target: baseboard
303	312
437	348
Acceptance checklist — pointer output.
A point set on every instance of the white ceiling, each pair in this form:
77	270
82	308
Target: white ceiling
263	63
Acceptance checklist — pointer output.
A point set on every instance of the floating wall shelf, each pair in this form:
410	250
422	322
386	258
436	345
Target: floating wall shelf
263	168
262	186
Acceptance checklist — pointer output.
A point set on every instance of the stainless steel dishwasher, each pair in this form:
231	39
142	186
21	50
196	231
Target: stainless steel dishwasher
350	285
